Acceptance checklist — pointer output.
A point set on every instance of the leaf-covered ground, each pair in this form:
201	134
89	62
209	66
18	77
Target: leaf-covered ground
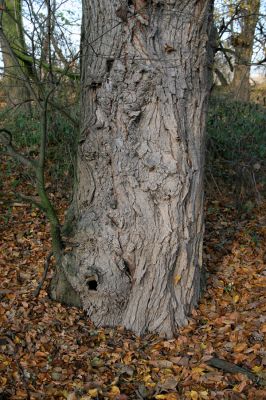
49	351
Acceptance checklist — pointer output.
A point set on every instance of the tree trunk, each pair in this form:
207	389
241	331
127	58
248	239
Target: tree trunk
12	25
243	46
138	203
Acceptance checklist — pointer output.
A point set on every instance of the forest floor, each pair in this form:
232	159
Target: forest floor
49	351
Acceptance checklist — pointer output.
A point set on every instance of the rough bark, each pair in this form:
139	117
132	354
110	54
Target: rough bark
243	46
138	206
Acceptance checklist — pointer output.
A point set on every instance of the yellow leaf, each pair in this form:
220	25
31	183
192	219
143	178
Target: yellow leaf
147	378
198	370
102	336
17	340
115	391
204	395
3	380
257	368
169	396
150	384
177	278
236	298
203	346
194	395
93	392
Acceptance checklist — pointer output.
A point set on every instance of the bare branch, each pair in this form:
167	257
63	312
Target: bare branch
6	140
30	200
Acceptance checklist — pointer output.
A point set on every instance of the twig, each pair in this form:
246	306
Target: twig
257	193
215	183
46	267
29	199
234	369
6	140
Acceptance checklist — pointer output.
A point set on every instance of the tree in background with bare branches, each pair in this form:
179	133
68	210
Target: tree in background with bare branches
39	59
240	43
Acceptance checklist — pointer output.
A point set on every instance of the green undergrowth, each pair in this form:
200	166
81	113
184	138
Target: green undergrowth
236	148
26	130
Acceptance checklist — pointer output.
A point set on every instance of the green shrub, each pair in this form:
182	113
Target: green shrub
236	145
61	144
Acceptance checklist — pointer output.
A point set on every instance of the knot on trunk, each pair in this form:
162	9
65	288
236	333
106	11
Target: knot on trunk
121	12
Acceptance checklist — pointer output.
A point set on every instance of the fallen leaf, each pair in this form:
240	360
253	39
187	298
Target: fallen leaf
177	279
236	298
170	383
257	369
240	347
194	395
162	364
72	396
93	392
168	396
114	391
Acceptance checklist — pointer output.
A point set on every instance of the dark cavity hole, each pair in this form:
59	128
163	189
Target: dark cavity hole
127	269
92	283
109	64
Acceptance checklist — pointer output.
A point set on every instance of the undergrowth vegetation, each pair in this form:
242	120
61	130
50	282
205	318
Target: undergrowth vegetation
236	148
61	144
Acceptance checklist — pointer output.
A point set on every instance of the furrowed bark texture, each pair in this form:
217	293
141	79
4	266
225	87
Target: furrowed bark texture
139	196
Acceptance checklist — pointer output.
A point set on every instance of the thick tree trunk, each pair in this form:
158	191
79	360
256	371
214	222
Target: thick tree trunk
139	195
243	45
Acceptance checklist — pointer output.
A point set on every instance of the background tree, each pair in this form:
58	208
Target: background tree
14	51
139	195
241	41
39	53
